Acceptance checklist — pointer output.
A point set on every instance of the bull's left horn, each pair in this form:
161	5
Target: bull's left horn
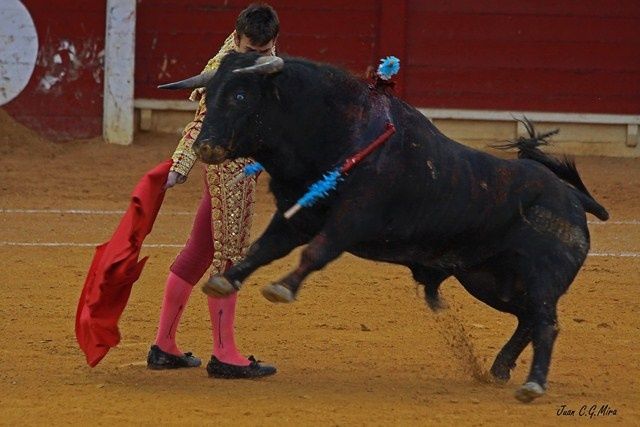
264	65
200	80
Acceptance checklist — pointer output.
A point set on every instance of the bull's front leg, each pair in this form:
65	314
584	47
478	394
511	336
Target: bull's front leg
318	253
276	242
346	227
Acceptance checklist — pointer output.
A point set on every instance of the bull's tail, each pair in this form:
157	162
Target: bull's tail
590	205
564	168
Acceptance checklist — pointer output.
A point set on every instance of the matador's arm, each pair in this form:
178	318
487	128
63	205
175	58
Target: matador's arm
184	157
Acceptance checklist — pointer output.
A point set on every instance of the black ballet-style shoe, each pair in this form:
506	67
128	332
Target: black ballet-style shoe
158	359
255	369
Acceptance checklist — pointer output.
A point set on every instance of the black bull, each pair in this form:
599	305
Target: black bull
512	232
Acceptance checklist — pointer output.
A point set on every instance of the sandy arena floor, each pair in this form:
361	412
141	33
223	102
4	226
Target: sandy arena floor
358	347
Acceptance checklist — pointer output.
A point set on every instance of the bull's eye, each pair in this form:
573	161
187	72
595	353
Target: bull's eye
240	96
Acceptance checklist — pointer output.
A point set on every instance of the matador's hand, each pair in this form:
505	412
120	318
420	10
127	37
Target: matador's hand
174	178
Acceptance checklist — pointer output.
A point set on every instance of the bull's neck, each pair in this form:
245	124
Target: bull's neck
317	154
313	136
302	156
284	167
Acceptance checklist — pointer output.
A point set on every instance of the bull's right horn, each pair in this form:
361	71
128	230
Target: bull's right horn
263	65
200	80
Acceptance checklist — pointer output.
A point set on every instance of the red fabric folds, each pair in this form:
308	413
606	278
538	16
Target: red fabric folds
115	268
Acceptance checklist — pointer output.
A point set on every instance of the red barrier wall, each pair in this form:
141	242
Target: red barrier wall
561	56
556	56
175	39
63	99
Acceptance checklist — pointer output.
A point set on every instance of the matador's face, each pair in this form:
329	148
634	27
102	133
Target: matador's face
245	45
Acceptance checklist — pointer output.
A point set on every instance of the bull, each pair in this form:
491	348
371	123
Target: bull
513	232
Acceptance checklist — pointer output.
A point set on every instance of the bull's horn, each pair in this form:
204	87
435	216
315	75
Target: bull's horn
200	80
263	65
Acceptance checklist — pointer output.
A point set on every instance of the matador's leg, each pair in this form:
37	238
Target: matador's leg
231	211
190	265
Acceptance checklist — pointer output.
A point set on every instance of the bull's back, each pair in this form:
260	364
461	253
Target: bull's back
450	191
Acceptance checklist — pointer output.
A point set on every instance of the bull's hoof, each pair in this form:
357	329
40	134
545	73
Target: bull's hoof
500	375
436	304
529	391
278	293
218	286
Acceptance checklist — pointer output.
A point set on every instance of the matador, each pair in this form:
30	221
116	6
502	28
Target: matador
221	230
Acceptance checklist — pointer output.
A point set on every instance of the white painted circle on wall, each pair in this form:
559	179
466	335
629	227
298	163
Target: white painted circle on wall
18	49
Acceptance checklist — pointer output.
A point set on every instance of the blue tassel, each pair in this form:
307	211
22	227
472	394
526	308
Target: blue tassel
253	169
321	188
388	67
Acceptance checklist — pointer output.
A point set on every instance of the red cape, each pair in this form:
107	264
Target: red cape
115	268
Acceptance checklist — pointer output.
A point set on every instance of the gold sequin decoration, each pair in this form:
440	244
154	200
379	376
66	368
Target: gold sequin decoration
231	210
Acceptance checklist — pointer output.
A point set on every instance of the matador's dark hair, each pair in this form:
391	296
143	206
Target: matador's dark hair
259	22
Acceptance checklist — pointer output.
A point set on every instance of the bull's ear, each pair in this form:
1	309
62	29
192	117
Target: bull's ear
200	80
263	65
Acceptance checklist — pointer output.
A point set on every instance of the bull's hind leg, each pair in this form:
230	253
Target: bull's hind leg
431	279
506	358
496	285
544	333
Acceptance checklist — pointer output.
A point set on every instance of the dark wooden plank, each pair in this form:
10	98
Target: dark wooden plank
200	49
58	7
525	89
524	82
306	22
598	8
522	28
238	5
537	102
392	38
183	20
622	56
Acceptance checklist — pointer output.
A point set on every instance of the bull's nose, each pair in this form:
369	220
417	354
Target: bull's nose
210	155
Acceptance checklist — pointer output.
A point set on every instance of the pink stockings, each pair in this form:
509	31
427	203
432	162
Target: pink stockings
176	295
188	268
